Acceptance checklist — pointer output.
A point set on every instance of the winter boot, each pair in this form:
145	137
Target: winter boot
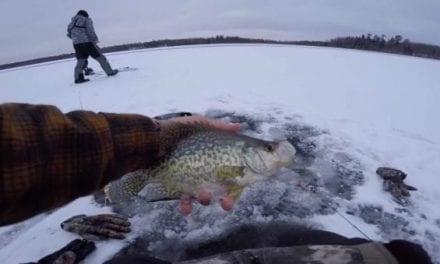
88	71
81	79
113	73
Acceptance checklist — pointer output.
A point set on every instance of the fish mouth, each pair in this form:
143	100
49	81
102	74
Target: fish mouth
285	153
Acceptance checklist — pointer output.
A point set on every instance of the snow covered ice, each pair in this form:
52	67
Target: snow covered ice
347	112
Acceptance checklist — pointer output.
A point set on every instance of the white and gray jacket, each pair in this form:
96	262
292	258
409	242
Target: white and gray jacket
81	30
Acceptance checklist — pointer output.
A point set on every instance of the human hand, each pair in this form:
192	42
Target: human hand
204	198
74	252
98	227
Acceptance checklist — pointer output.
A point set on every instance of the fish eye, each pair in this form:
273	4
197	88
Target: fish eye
269	148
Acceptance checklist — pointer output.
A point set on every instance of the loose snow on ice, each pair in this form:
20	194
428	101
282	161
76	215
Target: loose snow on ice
347	112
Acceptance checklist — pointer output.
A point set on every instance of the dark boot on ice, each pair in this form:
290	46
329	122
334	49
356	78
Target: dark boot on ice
113	73
81	79
88	71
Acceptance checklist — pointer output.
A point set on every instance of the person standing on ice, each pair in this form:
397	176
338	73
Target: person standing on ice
84	39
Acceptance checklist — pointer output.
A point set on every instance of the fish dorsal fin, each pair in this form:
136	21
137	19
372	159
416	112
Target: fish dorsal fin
176	132
226	172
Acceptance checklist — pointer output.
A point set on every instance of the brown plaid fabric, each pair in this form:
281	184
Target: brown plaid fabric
48	158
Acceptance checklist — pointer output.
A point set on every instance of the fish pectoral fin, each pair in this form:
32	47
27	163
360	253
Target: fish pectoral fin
234	191
155	192
226	172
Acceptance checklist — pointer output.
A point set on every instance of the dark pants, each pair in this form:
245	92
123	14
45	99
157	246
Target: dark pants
82	52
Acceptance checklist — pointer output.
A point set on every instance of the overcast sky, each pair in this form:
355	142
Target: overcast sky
37	28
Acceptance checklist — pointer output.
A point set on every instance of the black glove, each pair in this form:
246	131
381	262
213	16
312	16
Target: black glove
98	227
72	253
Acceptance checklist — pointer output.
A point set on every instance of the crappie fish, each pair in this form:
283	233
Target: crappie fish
211	160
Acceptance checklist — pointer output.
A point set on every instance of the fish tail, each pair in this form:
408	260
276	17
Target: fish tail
126	187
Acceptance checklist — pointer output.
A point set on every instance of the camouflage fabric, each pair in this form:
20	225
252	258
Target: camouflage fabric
98	227
368	253
393	183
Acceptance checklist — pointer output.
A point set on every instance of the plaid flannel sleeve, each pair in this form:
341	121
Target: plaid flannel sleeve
48	158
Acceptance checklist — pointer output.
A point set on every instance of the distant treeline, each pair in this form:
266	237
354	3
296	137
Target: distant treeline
396	45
